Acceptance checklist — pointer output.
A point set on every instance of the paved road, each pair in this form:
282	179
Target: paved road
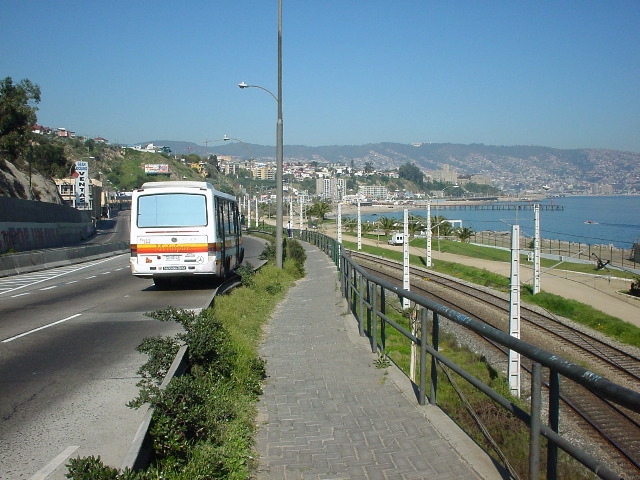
68	362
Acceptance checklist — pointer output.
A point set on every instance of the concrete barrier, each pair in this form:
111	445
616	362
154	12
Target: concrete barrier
27	225
33	261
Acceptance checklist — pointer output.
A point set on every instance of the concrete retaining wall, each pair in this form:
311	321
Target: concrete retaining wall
29	225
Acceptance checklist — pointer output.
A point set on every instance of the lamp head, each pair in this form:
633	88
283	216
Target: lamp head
225	138
243	85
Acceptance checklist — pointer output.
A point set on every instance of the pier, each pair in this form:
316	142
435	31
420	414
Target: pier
495	206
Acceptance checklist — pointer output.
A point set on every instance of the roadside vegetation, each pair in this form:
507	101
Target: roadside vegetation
204	421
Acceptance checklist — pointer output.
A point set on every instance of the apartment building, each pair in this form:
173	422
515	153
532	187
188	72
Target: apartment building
331	188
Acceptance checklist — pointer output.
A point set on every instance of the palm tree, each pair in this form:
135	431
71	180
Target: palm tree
349	223
415	225
319	209
463	234
441	224
387	224
366	227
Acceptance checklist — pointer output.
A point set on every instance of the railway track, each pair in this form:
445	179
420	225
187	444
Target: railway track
615	428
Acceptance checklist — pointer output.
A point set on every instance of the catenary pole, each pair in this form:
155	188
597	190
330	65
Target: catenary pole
340	222
536	250
513	369
406	284
428	260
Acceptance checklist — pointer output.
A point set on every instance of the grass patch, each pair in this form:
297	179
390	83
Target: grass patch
586	315
204	421
499	255
508	432
571	309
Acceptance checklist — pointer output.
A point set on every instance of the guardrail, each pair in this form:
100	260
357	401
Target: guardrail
368	297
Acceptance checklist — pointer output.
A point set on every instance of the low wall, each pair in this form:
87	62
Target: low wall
29	225
56	257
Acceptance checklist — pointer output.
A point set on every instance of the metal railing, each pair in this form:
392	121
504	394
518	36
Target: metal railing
619	257
368	299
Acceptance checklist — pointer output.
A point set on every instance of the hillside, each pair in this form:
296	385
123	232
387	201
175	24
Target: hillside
522	165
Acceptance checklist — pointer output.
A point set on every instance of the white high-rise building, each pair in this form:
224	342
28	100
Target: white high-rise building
331	188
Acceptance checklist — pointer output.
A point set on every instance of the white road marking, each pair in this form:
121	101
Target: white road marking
20	294
48	288
40	328
59	274
92	276
44	472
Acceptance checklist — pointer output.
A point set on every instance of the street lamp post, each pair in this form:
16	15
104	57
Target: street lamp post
279	153
450	186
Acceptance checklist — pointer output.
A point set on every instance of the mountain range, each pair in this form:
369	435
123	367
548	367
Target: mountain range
522	165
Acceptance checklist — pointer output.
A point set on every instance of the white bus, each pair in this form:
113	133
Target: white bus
183	229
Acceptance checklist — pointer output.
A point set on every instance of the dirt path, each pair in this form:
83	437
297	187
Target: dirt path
599	291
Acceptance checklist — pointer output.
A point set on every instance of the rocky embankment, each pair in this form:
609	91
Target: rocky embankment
18	184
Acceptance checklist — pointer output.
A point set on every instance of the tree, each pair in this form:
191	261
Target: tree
440	225
368	167
415	225
349	223
213	160
319	209
48	158
463	234
387	224
366	227
17	115
410	172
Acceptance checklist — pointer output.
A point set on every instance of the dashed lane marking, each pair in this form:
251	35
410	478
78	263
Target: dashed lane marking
40	328
44	472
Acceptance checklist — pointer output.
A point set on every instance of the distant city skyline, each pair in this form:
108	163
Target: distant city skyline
555	74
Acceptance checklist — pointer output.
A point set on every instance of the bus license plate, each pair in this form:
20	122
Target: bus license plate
172	258
177	267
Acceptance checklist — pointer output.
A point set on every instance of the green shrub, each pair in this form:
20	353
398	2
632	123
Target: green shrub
269	251
92	468
246	273
204	421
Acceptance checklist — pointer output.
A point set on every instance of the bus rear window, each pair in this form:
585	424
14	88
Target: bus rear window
172	210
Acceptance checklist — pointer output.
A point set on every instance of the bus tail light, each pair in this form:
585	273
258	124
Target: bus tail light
134	250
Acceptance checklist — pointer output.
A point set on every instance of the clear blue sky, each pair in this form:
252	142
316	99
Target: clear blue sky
563	74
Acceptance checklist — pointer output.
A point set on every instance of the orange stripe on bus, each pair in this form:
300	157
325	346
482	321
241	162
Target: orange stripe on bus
172	248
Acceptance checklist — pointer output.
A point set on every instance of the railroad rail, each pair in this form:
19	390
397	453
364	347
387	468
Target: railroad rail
618	427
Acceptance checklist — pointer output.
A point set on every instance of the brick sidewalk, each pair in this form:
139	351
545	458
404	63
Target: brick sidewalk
328	413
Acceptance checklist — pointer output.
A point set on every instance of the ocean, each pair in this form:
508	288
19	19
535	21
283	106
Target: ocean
596	220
